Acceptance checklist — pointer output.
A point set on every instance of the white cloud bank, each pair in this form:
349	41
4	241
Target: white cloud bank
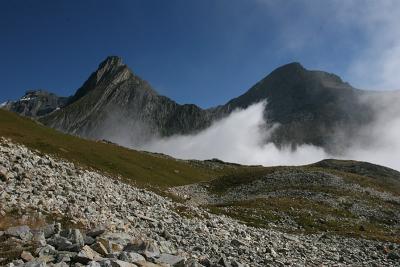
241	136
379	142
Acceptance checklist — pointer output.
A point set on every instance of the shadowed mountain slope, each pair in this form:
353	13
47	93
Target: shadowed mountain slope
115	102
309	106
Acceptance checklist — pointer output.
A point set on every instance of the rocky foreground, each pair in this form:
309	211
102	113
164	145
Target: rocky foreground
57	214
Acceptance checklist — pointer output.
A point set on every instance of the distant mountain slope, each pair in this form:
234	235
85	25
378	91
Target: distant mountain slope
310	107
36	103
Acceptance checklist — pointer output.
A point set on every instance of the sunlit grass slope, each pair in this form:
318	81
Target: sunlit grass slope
143	169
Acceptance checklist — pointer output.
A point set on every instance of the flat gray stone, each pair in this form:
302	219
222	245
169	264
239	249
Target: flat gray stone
119	263
60	243
23	232
86	255
175	261
96	232
131	257
35	263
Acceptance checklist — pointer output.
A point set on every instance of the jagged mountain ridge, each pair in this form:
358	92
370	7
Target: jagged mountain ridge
308	105
114	96
36	103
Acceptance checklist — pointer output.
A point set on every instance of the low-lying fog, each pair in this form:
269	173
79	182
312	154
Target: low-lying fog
237	138
240	138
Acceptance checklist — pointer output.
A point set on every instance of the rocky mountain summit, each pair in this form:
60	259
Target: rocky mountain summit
36	103
115	98
309	107
57	214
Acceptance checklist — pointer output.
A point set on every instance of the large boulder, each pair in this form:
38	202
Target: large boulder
174	261
86	255
145	247
23	232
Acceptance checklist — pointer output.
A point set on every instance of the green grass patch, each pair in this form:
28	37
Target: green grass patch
310	216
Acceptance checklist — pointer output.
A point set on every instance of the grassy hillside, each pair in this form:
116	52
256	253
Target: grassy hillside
335	197
342	197
364	174
143	169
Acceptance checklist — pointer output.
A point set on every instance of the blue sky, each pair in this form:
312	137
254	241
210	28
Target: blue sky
203	52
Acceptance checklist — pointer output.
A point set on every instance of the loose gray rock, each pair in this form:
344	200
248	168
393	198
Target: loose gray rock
93	264
39	239
96	232
393	256
23	232
99	248
35	263
119	263
175	261
60	243
86	255
199	238
26	256
144	247
224	262
131	257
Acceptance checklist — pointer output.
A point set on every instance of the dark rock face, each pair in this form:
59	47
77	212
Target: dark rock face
310	107
114	101
36	103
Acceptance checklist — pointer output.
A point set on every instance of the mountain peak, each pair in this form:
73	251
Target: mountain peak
36	103
293	65
110	64
110	70
111	61
290	68
298	73
110	67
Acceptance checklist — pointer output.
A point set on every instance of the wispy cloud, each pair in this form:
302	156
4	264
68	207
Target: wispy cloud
378	142
378	63
367	32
